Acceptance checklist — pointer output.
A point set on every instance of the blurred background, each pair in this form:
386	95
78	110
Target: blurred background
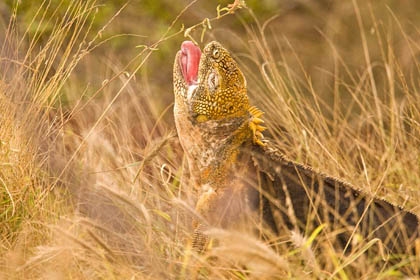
89	169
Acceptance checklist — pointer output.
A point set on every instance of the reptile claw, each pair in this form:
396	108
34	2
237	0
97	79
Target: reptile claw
256	129
259	142
201	242
257	120
259	135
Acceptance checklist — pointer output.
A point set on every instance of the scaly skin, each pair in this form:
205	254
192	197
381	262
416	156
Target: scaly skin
241	176
217	111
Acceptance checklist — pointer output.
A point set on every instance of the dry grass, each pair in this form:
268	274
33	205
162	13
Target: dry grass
97	188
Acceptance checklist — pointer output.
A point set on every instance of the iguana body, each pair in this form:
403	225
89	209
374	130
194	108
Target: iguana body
241	176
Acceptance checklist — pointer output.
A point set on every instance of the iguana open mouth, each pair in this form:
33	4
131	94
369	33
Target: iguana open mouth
189	61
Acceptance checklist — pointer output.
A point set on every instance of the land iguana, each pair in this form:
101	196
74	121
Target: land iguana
241	175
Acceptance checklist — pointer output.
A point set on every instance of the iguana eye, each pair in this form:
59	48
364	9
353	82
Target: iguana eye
216	53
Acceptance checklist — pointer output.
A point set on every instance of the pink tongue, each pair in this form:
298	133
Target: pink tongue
190	59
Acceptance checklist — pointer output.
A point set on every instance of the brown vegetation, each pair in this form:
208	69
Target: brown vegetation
93	183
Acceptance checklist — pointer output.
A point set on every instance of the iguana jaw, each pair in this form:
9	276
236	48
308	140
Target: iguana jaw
185	83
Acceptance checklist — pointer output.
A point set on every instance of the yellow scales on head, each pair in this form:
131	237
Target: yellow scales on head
221	92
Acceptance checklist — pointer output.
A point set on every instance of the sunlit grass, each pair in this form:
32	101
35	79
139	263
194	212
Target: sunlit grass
98	187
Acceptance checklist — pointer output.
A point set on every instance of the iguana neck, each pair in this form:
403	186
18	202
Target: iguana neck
211	147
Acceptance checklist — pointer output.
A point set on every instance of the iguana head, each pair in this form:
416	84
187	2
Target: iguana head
209	84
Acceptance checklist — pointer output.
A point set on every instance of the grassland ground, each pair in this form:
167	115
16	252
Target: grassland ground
93	182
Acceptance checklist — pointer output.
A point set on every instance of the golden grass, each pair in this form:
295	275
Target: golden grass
98	188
